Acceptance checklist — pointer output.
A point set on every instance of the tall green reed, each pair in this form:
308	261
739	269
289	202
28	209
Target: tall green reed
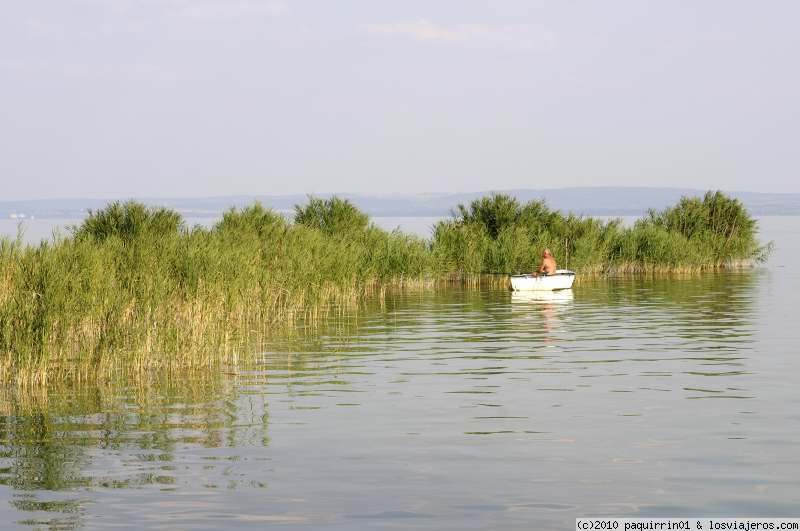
498	234
136	284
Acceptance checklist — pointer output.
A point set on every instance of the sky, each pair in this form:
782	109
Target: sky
148	98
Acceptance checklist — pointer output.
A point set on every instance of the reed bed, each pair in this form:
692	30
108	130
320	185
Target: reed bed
133	285
497	234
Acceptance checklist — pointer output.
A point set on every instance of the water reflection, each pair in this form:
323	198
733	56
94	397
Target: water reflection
125	435
470	408
543	308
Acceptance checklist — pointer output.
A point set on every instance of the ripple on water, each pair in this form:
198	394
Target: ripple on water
631	397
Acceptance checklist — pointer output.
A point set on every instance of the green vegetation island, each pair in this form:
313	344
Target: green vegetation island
135	285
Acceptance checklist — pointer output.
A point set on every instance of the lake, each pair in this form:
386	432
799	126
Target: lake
446	409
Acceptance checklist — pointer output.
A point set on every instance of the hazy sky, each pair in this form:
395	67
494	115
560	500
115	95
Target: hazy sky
111	98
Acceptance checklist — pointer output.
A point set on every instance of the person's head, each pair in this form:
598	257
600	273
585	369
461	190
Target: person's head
547	254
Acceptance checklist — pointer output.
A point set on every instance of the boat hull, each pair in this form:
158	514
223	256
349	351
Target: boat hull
561	279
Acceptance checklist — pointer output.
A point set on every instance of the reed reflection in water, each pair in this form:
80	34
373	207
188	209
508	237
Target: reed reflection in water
450	409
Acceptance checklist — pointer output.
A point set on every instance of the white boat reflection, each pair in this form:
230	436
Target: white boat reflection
560	296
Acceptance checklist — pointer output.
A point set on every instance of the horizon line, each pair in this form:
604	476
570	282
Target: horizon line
388	194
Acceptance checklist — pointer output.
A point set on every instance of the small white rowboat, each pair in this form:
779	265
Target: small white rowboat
561	279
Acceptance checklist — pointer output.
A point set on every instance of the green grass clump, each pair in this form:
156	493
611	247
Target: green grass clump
332	216
129	222
134	284
497	234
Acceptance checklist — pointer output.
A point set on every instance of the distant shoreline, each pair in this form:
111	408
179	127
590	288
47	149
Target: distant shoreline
590	201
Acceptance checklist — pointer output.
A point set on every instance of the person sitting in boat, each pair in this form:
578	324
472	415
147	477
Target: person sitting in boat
548	266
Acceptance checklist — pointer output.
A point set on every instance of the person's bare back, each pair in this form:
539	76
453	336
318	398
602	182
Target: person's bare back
548	266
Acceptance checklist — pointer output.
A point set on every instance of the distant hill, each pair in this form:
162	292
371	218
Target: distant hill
603	201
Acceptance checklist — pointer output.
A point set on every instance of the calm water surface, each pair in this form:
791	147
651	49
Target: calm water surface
447	410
